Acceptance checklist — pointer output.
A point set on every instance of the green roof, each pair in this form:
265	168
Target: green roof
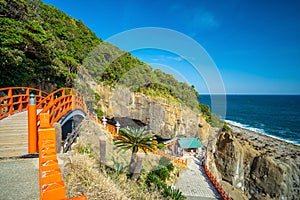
186	143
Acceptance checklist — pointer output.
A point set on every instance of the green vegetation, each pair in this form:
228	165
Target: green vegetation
86	149
99	113
210	118
135	139
226	128
40	46
84	176
158	177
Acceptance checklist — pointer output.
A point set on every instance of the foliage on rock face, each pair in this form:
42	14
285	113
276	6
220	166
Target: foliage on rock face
226	128
40	45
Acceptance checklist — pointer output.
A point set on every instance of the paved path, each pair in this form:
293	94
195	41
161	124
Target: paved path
194	184
19	179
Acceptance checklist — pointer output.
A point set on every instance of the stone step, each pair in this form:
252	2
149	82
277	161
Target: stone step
13	152
13	142
14	135
7	146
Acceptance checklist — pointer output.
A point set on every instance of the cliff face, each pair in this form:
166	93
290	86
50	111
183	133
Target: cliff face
165	120
256	166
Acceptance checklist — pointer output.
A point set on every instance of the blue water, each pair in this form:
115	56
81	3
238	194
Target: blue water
274	115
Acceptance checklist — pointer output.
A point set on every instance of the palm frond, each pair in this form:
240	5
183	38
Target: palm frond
133	138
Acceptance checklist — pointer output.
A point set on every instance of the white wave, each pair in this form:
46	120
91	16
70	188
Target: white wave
258	130
245	126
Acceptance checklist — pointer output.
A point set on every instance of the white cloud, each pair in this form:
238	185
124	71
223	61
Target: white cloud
167	58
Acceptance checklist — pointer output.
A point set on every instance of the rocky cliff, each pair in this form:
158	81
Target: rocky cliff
249	165
254	166
166	120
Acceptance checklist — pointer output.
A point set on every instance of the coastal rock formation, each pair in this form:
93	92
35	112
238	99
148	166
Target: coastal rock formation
164	119
256	166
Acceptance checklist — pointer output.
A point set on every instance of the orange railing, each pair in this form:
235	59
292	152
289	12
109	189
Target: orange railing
179	161
59	103
55	106
52	186
113	130
214	181
15	99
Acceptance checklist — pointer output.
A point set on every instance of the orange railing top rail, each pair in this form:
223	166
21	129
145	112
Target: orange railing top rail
15	99
60	102
57	104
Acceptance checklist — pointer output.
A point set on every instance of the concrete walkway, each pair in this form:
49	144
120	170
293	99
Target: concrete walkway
194	184
19	179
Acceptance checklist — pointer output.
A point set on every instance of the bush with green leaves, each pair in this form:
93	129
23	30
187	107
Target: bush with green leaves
226	128
86	149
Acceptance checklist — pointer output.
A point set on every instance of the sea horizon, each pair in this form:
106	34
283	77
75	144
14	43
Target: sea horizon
277	117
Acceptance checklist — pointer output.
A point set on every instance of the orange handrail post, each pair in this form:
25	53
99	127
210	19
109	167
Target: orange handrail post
51	185
32	126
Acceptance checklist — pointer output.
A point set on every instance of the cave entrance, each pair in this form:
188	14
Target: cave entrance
126	121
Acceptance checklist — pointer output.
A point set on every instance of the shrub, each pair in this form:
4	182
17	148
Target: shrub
86	149
226	128
160	146
99	113
97	96
166	162
173	193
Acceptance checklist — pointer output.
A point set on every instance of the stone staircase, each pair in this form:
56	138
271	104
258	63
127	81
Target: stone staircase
14	136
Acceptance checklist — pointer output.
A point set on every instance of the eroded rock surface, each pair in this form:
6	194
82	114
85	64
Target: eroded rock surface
164	119
257	166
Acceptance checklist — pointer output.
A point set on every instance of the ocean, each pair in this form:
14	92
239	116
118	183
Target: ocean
274	115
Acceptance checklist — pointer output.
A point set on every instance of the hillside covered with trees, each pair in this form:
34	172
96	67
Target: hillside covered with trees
40	46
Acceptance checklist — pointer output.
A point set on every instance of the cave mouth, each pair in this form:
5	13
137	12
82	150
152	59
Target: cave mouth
126	121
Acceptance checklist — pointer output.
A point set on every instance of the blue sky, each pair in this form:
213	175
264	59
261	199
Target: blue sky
254	44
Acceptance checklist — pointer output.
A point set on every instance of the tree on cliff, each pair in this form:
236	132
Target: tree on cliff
135	139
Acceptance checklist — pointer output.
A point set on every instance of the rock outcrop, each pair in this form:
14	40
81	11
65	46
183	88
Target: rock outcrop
254	166
164	119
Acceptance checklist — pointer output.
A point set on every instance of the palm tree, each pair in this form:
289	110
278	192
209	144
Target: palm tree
135	139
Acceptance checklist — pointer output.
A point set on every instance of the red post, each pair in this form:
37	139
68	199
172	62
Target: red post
32	127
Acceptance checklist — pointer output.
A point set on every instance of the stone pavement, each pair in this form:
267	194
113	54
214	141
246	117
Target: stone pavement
19	179
194	184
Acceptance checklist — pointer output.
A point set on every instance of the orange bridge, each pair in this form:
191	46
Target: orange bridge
43	110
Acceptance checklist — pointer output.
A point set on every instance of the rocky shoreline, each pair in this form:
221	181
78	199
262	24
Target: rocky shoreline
251	165
268	144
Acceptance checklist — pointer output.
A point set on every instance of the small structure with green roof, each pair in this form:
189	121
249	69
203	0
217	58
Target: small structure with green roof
183	146
189	145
